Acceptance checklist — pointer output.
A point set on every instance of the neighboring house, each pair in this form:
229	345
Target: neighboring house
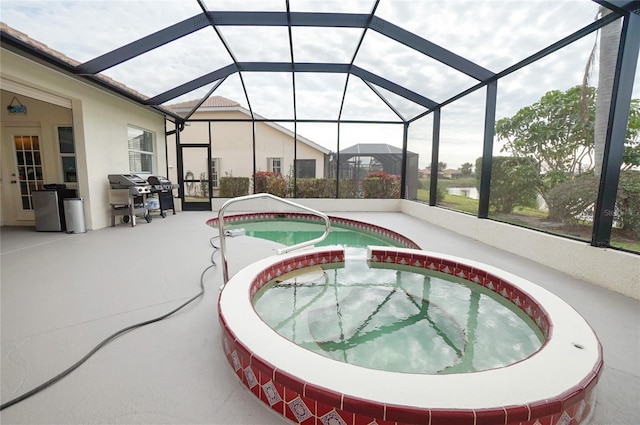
363	158
451	174
63	135
445	174
232	142
425	172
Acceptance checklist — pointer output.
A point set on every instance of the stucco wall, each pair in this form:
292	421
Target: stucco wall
232	142
100	121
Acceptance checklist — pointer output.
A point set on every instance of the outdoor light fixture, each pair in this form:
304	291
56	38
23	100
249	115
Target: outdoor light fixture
16	109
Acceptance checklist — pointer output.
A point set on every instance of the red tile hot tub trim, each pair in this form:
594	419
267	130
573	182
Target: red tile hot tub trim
266	216
306	403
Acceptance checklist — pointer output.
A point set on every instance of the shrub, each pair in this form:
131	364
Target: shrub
573	199
230	187
628	202
271	182
381	185
204	185
513	183
315	188
349	189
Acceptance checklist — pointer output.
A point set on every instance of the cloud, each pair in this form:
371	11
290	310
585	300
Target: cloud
492	33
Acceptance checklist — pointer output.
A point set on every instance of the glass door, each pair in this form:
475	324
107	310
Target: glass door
196	179
27	175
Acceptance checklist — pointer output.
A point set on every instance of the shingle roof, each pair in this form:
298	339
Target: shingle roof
211	102
39	46
62	57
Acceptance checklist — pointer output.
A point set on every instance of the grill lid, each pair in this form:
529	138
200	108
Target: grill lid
158	180
160	183
124	181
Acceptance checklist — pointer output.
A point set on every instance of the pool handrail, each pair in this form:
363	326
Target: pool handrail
221	230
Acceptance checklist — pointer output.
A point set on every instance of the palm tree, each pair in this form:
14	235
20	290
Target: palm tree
608	40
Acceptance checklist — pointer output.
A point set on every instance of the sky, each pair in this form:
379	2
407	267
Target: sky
494	34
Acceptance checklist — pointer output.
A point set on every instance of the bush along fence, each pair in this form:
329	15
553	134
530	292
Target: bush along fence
230	187
377	185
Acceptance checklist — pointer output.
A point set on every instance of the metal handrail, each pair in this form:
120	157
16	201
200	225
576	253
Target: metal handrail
223	244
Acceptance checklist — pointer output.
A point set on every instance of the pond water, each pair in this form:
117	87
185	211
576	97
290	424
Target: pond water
468	192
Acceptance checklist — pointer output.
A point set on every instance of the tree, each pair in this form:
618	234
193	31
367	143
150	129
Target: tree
466	169
559	136
608	39
552	134
442	166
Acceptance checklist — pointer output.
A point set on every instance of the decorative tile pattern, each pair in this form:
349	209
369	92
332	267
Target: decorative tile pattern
299	409
565	419
252	381
272	393
332	418
581	409
225	343
235	361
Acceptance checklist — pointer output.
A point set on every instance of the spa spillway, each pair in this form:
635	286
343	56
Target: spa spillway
553	385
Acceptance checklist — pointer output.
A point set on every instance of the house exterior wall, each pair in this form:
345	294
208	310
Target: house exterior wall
100	122
232	143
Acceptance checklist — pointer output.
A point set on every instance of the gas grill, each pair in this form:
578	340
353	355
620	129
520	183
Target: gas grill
164	188
127	197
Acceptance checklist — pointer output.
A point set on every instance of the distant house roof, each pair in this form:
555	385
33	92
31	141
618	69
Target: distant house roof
211	102
451	172
447	172
372	149
219	103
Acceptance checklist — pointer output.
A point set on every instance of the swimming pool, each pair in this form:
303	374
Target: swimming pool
292	228
556	384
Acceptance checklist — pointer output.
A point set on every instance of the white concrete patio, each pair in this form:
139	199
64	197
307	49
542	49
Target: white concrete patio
62	294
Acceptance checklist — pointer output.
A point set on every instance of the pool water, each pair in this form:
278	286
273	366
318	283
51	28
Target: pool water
291	232
399	319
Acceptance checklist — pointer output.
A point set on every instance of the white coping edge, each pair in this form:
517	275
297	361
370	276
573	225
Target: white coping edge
557	367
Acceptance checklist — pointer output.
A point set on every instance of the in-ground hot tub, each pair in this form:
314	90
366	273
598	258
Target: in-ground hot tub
554	385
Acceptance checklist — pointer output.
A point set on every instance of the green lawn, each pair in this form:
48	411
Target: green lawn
460	203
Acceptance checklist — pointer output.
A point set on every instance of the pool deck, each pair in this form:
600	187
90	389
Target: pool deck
63	294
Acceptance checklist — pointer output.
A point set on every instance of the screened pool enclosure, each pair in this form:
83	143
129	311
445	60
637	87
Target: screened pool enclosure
529	109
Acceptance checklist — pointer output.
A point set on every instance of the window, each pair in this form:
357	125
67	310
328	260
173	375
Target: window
305	168
140	150
29	161
215	167
275	165
67	154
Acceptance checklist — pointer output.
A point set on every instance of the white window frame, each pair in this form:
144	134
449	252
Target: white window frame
63	155
271	165
215	173
131	129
